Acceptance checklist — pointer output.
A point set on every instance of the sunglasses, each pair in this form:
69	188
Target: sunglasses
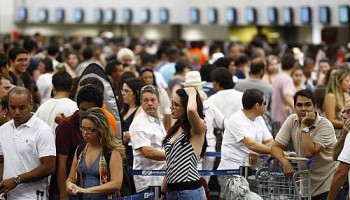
151	88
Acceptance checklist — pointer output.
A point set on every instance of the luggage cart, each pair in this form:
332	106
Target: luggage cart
272	184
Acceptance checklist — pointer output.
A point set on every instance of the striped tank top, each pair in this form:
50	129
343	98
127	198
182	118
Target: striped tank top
181	161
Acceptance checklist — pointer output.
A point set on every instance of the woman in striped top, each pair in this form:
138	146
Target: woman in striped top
184	144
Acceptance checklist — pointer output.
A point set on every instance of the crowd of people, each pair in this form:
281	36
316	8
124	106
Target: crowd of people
59	136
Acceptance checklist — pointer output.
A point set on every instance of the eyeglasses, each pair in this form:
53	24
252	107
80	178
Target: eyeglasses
345	111
126	90
306	105
151	88
87	130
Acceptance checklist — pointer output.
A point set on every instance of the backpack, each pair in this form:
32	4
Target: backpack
125	189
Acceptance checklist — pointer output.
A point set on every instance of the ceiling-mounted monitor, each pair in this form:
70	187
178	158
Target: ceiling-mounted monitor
109	15
287	16
343	13
194	15
212	15
145	15
272	15
43	15
22	14
163	15
251	15
98	15
305	15
324	13
127	15
231	15
59	15
78	15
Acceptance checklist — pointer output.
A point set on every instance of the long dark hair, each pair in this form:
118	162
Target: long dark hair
184	123
135	85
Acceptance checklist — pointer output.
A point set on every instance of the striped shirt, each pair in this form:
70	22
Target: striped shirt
181	161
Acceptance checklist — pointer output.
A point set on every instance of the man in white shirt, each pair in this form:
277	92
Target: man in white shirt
246	134
27	149
147	133
60	103
227	99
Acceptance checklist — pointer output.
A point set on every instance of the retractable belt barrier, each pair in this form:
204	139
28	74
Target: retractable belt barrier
201	172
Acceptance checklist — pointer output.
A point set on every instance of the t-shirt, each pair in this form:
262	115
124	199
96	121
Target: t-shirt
281	85
228	101
244	84
322	133
44	84
48	110
68	137
22	148
233	151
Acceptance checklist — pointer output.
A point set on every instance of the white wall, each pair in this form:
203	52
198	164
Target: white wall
6	16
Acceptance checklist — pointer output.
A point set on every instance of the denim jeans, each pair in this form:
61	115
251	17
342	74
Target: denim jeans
196	194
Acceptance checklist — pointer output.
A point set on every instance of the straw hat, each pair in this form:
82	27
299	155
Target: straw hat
193	78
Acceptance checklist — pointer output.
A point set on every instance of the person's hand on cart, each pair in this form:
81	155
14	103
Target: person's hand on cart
253	158
288	169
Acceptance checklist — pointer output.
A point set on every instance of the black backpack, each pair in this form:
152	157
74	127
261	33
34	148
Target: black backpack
125	189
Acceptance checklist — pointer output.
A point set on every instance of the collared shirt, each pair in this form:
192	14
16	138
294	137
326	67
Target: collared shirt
22	148
146	131
322	133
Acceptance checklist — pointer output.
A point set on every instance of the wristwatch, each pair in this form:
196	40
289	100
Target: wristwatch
17	180
306	129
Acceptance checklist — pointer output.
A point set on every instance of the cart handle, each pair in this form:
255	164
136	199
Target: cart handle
308	160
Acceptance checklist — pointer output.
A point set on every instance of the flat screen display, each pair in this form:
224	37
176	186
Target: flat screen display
43	15
194	15
305	15
98	15
212	15
163	15
230	15
22	14
272	15
251	15
287	15
78	15
59	15
110	15
145	15
324	15
127	15
344	14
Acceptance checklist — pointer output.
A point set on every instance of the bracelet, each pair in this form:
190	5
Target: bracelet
162	193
